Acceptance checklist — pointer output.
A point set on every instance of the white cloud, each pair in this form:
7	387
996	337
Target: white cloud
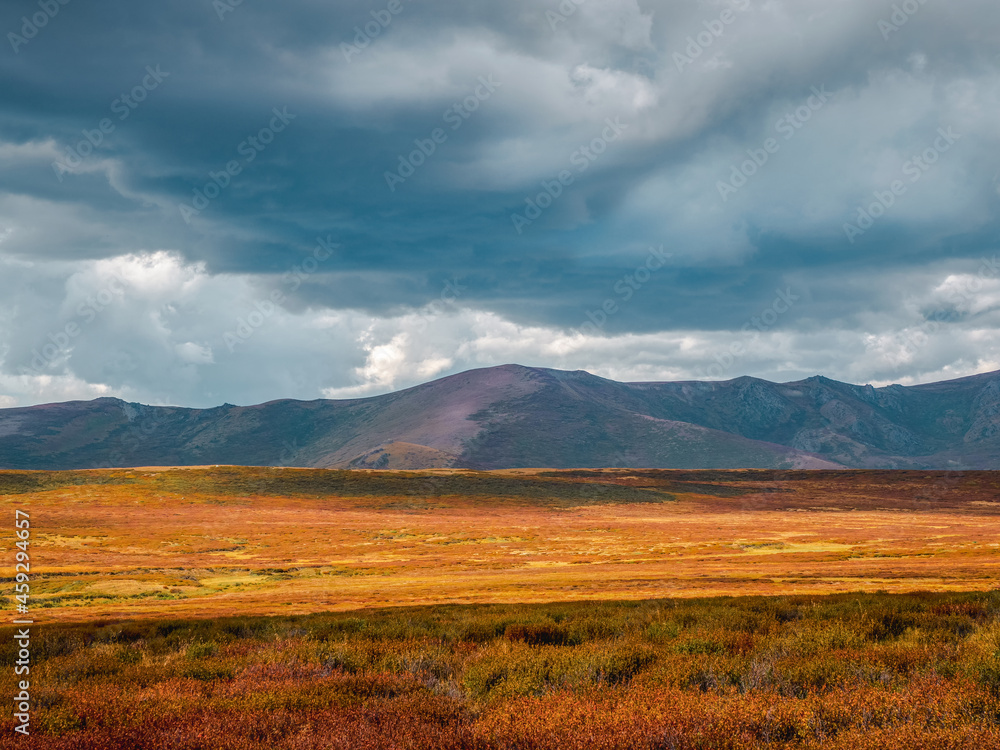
163	340
29	151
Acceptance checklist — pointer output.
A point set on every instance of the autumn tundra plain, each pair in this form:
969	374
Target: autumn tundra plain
246	608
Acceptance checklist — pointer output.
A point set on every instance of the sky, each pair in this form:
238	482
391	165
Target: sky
207	202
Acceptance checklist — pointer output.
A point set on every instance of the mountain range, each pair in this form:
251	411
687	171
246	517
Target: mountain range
513	416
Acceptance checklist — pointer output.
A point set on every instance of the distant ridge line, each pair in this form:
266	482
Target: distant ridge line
513	416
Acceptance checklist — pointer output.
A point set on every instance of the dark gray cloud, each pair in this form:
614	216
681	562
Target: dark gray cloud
748	140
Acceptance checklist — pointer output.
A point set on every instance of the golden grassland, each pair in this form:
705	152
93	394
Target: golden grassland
217	541
250	609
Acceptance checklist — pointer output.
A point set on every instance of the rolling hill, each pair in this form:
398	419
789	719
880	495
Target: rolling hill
513	416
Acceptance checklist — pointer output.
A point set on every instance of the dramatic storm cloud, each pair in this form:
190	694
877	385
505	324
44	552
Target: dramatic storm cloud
238	201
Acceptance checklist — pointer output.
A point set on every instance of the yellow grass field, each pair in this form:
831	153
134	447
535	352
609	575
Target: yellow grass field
207	541
217	608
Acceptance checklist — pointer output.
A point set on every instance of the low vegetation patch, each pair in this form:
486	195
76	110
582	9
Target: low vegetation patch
843	671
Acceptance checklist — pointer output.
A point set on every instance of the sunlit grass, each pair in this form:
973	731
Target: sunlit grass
216	541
